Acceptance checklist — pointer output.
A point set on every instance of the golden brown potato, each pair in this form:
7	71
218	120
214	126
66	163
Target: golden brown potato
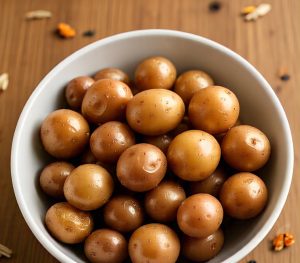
155	73
243	195
162	202
200	215
76	90
189	82
53	176
202	249
64	133
68	224
155	112
193	155
155	243
123	213
112	73
160	141
106	246
111	139
246	148
105	101
219	137
88	187
141	167
214	109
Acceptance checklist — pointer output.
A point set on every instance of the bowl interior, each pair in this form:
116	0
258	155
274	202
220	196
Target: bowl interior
259	107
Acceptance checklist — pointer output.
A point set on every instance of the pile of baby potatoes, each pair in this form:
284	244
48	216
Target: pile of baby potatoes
146	169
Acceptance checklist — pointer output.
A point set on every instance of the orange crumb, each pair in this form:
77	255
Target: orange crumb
65	30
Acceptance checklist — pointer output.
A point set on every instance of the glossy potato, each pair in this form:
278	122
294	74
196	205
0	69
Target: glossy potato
76	90
214	109
160	141
64	133
88	187
68	224
193	155
243	195
53	176
112	73
154	243
200	215
106	246
155	73
105	101
189	82
141	167
111	139
246	148
155	112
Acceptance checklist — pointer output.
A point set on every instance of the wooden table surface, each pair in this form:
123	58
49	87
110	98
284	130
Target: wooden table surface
29	49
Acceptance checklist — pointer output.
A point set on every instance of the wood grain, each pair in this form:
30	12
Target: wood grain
29	49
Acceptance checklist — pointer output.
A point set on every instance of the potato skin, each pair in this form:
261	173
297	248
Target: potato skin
243	195
88	187
246	148
155	73
155	112
214	109
154	243
68	224
105	101
112	73
193	155
64	133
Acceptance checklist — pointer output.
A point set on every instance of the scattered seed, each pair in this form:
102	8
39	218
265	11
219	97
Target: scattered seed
288	240
259	11
65	31
89	33
283	240
38	14
248	9
215	6
5	251
285	77
4	80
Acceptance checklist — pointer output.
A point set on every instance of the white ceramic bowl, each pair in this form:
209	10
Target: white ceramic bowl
259	107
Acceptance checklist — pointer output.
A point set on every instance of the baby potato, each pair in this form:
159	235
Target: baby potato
246	148
243	195
202	249
53	176
76	90
111	139
155	73
214	109
88	187
200	215
193	155
141	167
189	82
64	133
155	112
68	224
155	243
105	101
112	73
106	246
160	141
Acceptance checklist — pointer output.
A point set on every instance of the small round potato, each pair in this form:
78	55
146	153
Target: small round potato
155	112
106	246
202	249
64	133
214	109
160	141
155	73
123	213
68	224
111	139
112	73
88	187
243	195
76	90
141	167
53	177
193	155
189	82
155	243
200	215
105	101
162	202
246	148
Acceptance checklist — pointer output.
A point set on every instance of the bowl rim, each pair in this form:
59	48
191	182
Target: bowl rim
43	239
